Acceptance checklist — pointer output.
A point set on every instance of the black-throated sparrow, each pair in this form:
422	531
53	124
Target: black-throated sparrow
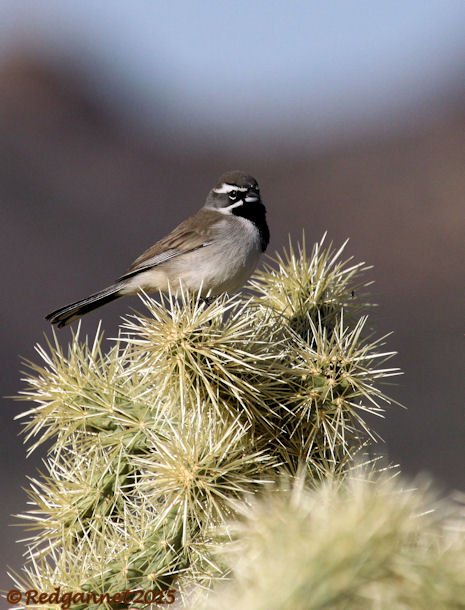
214	251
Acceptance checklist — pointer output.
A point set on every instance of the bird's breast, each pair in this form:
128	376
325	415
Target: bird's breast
227	263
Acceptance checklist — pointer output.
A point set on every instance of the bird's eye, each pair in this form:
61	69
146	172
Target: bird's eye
233	195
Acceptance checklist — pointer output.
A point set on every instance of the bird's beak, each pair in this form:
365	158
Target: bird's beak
251	198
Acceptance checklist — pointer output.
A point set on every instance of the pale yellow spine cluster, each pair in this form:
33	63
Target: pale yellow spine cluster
160	441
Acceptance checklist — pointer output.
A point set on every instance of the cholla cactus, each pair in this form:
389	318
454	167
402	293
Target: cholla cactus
365	543
314	288
193	410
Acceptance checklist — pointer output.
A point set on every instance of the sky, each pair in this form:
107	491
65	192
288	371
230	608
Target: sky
251	63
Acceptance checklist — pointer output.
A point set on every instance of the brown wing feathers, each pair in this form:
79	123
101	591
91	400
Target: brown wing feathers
186	237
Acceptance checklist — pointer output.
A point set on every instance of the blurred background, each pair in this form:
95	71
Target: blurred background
116	118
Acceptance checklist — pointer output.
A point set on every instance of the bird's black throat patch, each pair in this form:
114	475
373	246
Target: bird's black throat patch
256	213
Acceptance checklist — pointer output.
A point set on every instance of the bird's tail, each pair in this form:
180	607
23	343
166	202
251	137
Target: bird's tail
65	315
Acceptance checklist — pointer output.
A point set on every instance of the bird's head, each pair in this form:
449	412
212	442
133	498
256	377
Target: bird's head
234	189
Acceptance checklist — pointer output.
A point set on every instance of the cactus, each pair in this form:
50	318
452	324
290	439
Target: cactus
161	440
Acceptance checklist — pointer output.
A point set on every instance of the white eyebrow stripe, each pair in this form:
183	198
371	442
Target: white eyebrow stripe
227	188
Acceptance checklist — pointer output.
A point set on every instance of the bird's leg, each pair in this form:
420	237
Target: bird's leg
207	300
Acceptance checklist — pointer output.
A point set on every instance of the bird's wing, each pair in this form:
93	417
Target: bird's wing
194	233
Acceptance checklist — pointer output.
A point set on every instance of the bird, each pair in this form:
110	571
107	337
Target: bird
210	253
